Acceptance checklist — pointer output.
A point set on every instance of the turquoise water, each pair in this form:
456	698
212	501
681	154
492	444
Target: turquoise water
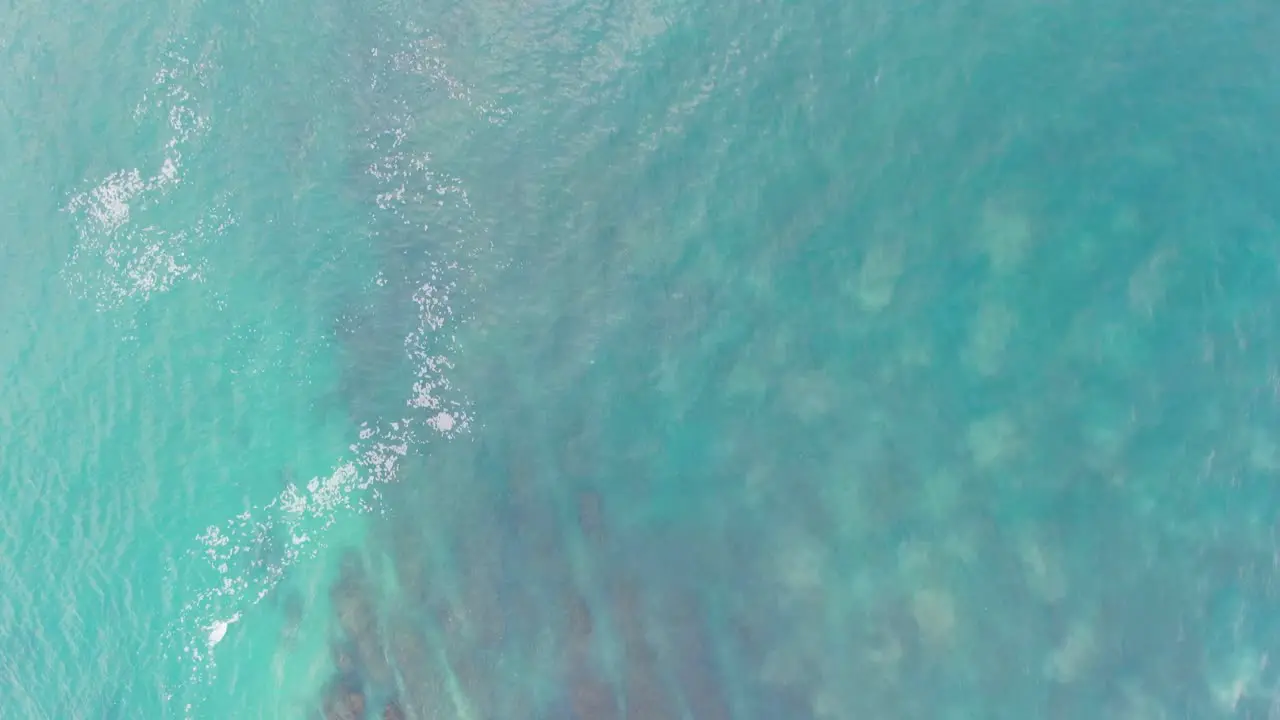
640	360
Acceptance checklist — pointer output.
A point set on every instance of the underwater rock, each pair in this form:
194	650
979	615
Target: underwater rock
878	275
935	615
425	692
292	606
992	440
581	624
1074	655
989	335
753	632
1005	234
350	596
579	454
1149	284
481	552
1041	563
810	395
406	541
393	711
343	699
645	692
353	603
591	516
343	654
474	667
589	695
697	674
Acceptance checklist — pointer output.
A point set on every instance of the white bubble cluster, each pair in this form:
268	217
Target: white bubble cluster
295	523
119	255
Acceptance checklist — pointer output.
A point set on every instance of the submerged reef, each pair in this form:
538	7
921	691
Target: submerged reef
948	466
343	699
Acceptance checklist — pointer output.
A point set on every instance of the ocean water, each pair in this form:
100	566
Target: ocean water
640	359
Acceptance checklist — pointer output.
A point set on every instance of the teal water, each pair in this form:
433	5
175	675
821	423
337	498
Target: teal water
587	360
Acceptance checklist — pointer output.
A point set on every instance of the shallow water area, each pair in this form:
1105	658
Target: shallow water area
638	360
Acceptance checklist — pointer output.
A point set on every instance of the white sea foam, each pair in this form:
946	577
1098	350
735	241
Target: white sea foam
119	255
304	513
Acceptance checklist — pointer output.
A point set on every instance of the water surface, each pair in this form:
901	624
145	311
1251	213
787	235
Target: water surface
639	360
